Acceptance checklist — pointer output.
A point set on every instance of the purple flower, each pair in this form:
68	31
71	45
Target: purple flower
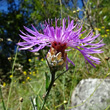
59	39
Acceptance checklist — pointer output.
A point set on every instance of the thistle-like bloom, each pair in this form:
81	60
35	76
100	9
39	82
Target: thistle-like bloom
59	39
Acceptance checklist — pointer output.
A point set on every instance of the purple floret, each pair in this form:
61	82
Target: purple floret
62	35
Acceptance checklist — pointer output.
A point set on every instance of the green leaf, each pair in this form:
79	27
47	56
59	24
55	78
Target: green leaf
35	103
47	80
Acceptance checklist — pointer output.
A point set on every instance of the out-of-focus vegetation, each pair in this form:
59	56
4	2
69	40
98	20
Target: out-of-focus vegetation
26	13
29	68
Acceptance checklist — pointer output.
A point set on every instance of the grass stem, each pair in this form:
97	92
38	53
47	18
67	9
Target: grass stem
3	104
12	71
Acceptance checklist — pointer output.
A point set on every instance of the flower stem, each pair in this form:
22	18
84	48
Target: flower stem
60	74
49	88
53	79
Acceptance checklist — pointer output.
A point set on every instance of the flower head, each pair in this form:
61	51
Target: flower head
59	39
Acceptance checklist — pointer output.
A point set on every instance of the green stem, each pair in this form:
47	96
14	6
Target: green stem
2	99
107	107
49	88
11	79
53	79
61	9
60	75
33	104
